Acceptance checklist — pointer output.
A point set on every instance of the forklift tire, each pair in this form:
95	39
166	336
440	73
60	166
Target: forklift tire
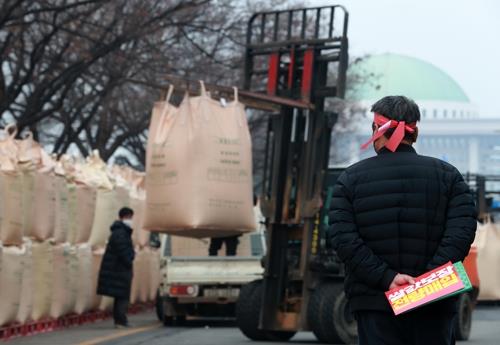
463	321
248	309
329	316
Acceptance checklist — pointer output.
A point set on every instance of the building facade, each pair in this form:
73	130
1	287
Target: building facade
451	127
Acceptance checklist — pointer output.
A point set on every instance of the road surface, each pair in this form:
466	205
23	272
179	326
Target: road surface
147	330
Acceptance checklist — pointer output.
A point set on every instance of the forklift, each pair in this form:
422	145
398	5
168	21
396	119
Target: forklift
299	54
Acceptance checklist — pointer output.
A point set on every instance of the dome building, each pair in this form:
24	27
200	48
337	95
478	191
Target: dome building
450	129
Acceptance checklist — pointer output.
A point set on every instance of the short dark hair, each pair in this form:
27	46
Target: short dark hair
399	108
125	212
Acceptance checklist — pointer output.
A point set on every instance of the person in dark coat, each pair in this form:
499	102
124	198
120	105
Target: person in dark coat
115	275
396	216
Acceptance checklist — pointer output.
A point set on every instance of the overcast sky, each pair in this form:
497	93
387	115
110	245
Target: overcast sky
460	37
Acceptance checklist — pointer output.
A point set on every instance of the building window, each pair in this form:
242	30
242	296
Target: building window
424	113
445	113
462	114
454	114
435	113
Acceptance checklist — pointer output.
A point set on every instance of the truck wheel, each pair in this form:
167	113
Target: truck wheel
160	313
248	313
329	316
463	321
168	312
174	320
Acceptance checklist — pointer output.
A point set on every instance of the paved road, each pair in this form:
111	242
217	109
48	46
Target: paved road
485	331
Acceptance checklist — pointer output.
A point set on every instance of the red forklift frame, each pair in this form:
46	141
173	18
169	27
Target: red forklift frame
301	55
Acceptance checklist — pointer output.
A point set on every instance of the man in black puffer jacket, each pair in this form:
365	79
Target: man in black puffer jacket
115	275
396	216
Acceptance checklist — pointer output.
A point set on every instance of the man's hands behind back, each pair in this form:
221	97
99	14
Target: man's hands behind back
400	280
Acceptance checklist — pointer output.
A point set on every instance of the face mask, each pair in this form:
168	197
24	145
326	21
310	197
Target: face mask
128	222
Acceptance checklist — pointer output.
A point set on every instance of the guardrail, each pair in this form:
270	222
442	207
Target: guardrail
15	330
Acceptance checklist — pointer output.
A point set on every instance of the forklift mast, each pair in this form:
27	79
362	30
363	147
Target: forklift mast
300	54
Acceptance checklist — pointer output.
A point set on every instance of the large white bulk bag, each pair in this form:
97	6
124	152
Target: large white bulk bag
11	194
488	261
106	303
145	276
9	149
122	194
82	206
106	212
140	281
61	222
74	280
11	208
94	173
199	176
161	114
43	207
64	281
154	273
26	302
28	191
97	255
134	289
11	276
43	272
85	290
38	189
140	236
72	214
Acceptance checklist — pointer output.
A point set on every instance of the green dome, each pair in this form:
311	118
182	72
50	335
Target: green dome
377	76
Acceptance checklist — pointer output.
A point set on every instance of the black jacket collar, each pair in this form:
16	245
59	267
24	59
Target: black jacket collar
119	225
401	148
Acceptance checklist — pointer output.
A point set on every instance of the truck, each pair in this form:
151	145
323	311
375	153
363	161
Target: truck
194	284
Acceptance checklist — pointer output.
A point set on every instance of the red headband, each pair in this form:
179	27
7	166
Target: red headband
396	137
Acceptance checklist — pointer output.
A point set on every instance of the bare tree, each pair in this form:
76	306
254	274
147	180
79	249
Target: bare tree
50	48
83	74
209	47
